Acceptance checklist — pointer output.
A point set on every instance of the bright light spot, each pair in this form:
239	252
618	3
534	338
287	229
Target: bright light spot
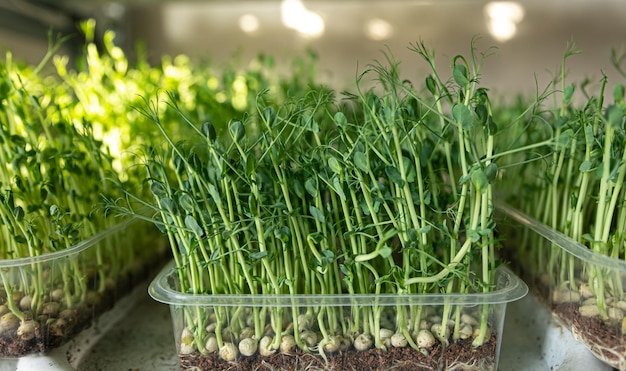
213	83
378	29
502	19
249	23
296	16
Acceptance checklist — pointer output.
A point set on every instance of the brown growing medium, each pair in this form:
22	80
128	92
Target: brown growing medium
47	337
605	340
459	355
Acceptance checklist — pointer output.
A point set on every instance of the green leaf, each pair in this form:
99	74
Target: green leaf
460	75
482	113
492	127
169	205
588	237
560	122
338	188
311	187
491	171
236	130
252	203
309	123
214	194
463	116
385	252
283	234
425	229
589	137
186	202
431	85
334	165
615	116
54	210
565	138
298	189
586	166
568	93
250	164
18	140
208	130
473	235
327	256
394	175
618	93
157	189
479	179
317	214
191	223
258	255
18	213
269	116
340	119
361	161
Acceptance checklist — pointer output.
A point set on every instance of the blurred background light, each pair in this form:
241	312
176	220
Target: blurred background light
503	18
378	29
249	23
296	16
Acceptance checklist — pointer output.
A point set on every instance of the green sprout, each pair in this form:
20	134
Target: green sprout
389	192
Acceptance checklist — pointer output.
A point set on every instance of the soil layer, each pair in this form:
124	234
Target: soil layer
50	333
605	340
460	355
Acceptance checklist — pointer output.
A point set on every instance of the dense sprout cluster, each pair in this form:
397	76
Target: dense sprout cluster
390	191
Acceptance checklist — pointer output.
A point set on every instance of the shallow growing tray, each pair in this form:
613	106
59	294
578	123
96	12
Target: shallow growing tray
234	310
570	278
47	299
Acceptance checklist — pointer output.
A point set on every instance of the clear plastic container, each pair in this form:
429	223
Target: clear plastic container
346	321
584	289
46	300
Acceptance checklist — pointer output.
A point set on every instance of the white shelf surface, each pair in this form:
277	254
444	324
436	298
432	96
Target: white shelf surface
137	335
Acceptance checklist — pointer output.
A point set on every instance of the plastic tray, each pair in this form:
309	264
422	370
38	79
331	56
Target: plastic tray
46	300
344	319
584	289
